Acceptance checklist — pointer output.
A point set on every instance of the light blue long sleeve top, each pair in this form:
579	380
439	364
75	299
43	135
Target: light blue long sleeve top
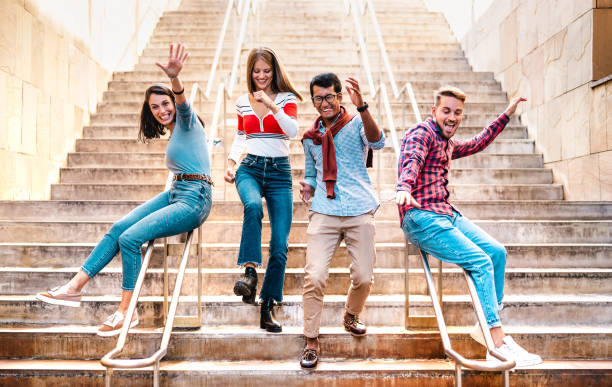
354	191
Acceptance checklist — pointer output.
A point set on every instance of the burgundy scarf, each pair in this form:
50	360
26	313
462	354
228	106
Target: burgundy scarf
330	169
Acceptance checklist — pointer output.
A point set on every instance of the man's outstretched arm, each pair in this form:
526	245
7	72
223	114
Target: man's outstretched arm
479	142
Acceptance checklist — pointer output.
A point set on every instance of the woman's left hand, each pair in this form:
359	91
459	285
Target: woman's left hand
175	61
261	97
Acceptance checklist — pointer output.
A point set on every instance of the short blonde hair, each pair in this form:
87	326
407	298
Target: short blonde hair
448	91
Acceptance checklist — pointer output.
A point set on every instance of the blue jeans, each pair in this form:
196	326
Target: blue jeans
456	240
268	177
184	207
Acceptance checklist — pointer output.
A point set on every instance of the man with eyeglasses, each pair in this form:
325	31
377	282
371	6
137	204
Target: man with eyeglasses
337	149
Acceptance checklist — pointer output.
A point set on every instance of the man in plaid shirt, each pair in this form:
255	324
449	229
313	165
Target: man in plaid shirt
431	223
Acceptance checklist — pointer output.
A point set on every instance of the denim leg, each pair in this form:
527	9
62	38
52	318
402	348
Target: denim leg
437	235
108	247
189	207
250	191
495	250
279	200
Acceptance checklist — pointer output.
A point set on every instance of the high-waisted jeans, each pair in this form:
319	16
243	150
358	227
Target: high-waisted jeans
268	177
456	240
184	207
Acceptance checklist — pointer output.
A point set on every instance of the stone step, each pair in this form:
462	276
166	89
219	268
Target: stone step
256	344
227	191
388	160
425	84
158	175
293	53
517	148
358	373
198	75
305	119
224	255
131	132
425	99
32	210
387	310
228	231
330	40
387	281
306	107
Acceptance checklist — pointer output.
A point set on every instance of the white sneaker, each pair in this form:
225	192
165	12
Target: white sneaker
511	350
113	324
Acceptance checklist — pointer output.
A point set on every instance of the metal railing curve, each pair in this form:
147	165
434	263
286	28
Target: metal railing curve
379	93
243	9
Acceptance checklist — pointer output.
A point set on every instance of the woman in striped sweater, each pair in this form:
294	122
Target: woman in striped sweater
267	119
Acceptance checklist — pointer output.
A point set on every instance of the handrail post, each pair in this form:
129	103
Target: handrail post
199	257
165	279
457	375
156	374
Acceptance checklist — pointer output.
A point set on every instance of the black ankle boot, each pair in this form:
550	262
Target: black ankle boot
247	286
267	321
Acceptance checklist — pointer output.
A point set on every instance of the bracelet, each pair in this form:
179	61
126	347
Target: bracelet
363	108
178	92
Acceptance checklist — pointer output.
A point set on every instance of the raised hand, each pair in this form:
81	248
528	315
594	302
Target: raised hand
513	104
175	61
404	197
306	191
354	92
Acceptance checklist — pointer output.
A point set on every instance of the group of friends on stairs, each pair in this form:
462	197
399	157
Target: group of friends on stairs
338	149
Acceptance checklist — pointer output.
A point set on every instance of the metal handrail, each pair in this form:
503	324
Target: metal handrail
231	4
108	360
381	91
460	361
244	8
406	89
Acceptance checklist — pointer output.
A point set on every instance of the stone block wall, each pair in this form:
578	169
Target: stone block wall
56	57
551	52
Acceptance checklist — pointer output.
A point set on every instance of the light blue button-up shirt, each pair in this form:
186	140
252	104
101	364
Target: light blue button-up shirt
354	192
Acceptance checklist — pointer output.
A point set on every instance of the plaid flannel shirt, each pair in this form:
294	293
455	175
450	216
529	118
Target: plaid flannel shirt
425	158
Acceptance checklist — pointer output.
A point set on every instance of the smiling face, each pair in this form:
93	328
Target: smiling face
163	109
262	75
327	110
448	114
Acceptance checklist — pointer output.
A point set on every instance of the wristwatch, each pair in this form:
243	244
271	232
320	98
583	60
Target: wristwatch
363	108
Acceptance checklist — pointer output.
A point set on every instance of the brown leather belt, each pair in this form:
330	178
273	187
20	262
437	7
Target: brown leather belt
193	176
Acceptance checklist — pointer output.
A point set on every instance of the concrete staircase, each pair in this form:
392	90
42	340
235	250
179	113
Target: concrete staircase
558	293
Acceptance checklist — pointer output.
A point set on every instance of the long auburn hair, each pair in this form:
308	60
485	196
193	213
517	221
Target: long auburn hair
149	126
280	79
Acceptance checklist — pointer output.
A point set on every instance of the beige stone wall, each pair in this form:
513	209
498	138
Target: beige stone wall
56	57
547	52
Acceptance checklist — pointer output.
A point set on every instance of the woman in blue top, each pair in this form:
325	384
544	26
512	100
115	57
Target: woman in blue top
184	207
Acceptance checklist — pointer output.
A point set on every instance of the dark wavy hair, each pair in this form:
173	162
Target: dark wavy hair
149	126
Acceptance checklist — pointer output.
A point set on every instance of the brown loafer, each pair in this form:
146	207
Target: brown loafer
353	325
310	358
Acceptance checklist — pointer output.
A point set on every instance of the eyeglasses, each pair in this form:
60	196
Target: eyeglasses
329	98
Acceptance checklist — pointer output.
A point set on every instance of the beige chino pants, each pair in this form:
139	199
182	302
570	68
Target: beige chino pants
325	232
